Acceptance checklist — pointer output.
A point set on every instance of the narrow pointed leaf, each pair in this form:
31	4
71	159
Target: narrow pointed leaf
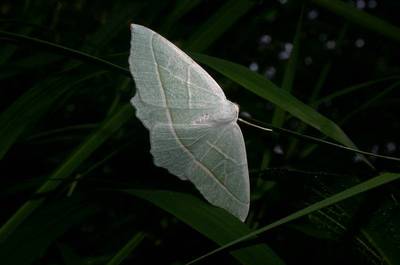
42	228
127	249
220	22
213	222
361	18
290	72
264	88
106	129
375	182
31	106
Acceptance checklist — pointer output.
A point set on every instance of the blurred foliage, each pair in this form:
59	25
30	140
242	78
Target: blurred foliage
75	169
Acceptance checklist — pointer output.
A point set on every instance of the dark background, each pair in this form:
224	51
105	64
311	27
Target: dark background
50	104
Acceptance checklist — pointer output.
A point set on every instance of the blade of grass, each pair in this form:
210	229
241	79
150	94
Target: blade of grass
270	127
338	197
220	22
95	165
361	18
71	53
127	249
351	89
306	152
342	220
334	222
213	222
29	184
320	82
69	256
18	67
181	8
383	231
31	106
83	127
26	12
316	91
83	151
293	144
290	72
115	22
278	116
42	228
371	101
264	88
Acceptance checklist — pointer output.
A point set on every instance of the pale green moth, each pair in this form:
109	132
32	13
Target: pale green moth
193	127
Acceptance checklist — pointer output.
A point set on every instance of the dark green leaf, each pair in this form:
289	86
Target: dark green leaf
266	89
338	197
215	223
361	18
34	235
83	151
215	26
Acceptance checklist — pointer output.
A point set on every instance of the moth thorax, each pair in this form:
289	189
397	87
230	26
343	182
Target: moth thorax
227	112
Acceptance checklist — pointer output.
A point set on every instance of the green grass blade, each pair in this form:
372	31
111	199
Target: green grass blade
181	8
215	223
31	106
338	197
42	228
370	102
21	66
293	144
361	18
16	118
71	53
106	129
116	21
260	125
383	231
67	129
264	88
359	109
320	82
379	230
287	84
69	256
290	72
316	92
220	22
351	89
36	16
127	249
